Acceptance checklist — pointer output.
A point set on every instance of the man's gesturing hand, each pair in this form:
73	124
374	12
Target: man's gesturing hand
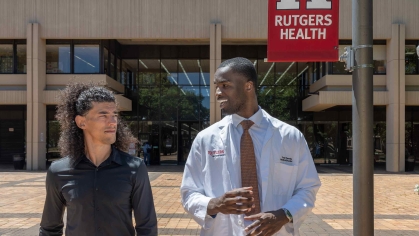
236	201
267	223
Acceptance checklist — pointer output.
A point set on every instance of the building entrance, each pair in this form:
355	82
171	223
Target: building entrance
12	140
187	133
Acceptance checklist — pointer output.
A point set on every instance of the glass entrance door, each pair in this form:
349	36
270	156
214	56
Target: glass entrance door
187	133
326	134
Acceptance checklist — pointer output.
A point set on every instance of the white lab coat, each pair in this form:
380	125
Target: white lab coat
213	168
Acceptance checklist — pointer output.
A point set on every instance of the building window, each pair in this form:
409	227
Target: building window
411	59
6	58
112	67
118	70
86	59
76	56
58	58
106	61
379	67
21	58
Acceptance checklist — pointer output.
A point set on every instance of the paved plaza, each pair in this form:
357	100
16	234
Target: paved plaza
22	197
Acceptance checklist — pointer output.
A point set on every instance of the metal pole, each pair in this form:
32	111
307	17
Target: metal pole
362	118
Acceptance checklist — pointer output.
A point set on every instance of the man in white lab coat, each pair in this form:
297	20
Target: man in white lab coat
287	181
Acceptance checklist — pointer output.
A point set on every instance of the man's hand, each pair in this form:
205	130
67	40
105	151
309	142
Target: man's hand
266	223
237	201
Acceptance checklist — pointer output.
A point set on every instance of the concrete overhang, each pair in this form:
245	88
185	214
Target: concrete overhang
342	81
61	80
412	80
412	98
328	99
51	98
13	97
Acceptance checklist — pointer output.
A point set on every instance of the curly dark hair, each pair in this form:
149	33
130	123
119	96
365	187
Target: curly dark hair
76	99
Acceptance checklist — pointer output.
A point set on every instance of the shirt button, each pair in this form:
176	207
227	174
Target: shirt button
240	222
97	189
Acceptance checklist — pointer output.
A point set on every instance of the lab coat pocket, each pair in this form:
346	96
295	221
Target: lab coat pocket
283	173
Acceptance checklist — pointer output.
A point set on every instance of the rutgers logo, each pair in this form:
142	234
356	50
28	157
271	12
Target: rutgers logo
311	4
216	153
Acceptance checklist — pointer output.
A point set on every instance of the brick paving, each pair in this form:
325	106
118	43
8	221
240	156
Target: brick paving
22	196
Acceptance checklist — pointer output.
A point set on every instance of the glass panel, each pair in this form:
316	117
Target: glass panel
21	58
339	68
169	105
58	58
169	72
285	73
112	69
169	144
205	73
189	72
148	73
380	142
124	72
105	61
53	151
265	71
306	128
411	59
6	58
187	134
379	67
205	103
86	58
118	70
189	103
325	134
130	70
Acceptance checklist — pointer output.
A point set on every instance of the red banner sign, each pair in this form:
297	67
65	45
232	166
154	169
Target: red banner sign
303	30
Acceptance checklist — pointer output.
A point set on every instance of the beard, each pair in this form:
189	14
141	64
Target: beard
233	109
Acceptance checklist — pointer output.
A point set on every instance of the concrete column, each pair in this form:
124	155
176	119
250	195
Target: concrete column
29	113
395	112
215	61
36	118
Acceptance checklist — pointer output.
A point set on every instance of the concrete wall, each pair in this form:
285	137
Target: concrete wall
177	19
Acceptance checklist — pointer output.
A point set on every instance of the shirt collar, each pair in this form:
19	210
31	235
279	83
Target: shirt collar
114	157
256	118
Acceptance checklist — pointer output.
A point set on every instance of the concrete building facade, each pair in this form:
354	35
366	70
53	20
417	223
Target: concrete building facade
159	57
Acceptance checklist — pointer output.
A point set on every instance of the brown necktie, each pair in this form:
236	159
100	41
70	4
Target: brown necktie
248	165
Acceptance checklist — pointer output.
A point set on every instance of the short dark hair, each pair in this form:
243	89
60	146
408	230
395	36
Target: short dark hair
76	99
242	66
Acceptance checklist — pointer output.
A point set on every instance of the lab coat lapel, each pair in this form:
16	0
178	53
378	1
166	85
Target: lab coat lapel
265	158
224	133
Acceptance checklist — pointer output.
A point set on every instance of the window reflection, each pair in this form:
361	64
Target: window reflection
118	70
21	58
105	60
112	67
6	58
411	59
58	58
379	67
86	58
188	72
285	72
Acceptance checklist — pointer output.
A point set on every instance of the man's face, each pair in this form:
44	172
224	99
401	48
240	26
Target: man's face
230	90
100	123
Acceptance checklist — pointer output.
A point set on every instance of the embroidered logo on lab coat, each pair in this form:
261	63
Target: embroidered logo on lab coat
216	153
286	159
